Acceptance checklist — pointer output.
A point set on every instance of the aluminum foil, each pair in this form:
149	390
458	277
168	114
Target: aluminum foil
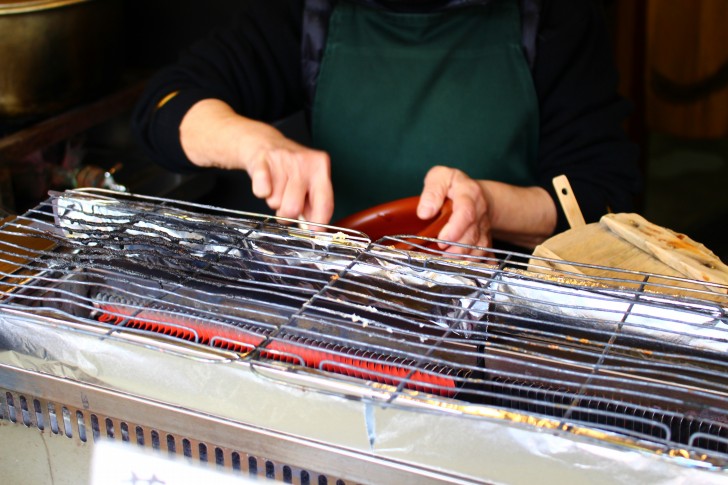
268	250
351	269
659	320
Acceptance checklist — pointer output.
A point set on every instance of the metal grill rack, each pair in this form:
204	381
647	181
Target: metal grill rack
631	362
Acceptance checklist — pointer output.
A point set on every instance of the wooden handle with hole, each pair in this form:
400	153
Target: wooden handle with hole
568	202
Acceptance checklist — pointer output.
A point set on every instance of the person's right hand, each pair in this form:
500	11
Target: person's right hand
294	180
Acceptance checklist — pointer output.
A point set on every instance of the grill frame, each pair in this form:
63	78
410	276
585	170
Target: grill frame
276	449
581	449
372	399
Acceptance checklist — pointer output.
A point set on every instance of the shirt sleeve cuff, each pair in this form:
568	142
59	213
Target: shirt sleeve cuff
169	116
561	223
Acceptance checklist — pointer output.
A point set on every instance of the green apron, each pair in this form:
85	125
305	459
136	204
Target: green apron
401	92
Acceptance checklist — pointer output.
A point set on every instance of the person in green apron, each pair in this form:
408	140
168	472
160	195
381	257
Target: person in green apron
438	98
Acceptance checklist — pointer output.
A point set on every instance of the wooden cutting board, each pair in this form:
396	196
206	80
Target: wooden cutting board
628	241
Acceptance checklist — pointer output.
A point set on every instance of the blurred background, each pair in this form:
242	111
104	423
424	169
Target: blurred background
672	56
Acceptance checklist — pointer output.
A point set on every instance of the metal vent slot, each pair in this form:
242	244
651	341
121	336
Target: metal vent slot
155	440
53	418
38	414
171	444
124	432
24	411
95	427
10	403
67	427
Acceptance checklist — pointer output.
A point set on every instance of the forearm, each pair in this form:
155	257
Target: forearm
293	179
524	216
252	63
213	135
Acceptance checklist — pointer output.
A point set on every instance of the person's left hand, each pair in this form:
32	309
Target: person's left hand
470	222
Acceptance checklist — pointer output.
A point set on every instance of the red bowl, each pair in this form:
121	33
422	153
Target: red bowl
398	217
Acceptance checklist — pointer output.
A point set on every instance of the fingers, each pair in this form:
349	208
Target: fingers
295	182
320	201
293	197
463	223
260	180
470	223
279	166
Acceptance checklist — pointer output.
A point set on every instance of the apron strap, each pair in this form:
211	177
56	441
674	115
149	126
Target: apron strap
530	18
316	15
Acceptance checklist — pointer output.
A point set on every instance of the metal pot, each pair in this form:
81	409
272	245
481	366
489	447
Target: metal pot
56	53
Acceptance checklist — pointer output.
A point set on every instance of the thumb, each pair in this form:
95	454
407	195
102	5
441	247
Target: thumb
434	193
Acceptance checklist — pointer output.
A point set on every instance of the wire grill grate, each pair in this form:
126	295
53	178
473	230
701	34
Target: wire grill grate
646	362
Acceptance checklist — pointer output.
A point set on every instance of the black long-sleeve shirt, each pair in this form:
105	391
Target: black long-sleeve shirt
254	65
